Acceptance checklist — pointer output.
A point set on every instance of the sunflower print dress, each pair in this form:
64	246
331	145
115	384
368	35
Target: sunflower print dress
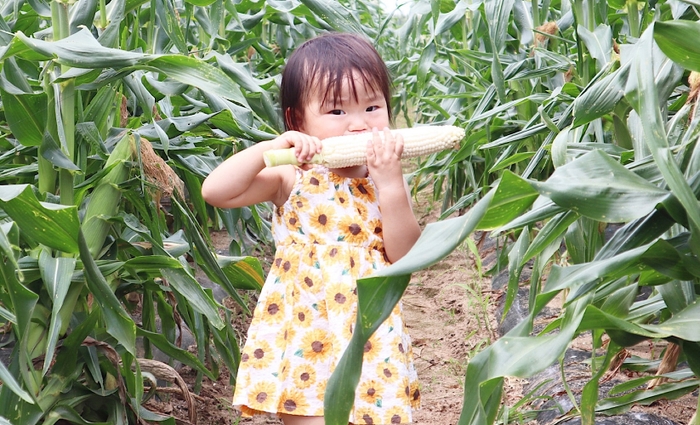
327	234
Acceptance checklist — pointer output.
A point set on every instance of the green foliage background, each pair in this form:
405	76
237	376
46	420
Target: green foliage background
579	114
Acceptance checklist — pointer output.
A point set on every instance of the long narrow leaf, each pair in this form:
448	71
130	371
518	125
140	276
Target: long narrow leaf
647	106
26	116
81	50
23	301
677	39
53	225
598	187
56	274
119	324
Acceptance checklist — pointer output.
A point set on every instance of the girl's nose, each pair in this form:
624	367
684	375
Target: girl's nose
357	125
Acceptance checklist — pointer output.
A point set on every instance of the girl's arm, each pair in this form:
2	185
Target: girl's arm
399	224
244	180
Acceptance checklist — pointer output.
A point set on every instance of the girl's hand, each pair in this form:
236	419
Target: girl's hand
305	146
384	160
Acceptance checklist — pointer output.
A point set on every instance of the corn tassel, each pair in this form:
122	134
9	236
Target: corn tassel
348	151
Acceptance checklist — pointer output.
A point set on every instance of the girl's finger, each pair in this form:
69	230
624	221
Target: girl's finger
389	141
375	136
317	145
398	147
370	150
394	144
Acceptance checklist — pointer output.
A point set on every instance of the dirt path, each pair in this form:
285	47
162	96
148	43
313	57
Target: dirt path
448	325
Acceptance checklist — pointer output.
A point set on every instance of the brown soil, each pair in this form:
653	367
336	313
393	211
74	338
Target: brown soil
450	311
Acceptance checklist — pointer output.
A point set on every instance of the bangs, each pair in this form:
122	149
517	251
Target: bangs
328	84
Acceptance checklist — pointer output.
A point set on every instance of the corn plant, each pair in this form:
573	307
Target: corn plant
105	114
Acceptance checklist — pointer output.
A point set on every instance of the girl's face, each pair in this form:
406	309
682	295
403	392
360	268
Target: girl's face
349	115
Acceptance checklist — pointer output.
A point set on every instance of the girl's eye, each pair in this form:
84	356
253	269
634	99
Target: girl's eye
372	108
336	112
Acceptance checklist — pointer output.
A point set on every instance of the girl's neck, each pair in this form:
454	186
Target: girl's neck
359	171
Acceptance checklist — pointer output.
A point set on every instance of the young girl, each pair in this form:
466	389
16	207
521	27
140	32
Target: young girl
331	227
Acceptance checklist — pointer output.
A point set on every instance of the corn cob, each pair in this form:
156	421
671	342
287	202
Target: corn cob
106	197
348	151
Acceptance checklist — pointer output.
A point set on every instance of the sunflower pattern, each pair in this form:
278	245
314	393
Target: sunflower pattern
327	234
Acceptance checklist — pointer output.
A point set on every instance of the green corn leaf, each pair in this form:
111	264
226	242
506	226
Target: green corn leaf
53	225
600	97
119	324
194	72
242	74
201	3
647	105
167	21
681	324
515	267
619	302
510	160
668	391
69	414
23	302
427	57
99	111
692	355
582	277
67	358
597	319
635	383
82	50
636	233
553	230
14	78
511	198
446	21
542	209
677	294
242	272
598	43
678	40
599	187
53	153
83	14
590	393
663	257
188	287
56	274
497	14
334	15
26	116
